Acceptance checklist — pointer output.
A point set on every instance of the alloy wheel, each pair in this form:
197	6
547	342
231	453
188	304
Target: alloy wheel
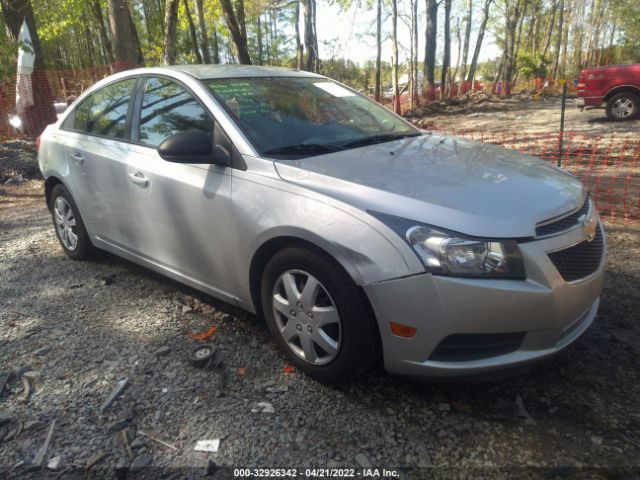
65	223
622	108
307	317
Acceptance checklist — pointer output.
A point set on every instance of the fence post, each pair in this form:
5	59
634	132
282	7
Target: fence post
564	107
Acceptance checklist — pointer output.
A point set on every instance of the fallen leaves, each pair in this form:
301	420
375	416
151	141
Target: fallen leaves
204	335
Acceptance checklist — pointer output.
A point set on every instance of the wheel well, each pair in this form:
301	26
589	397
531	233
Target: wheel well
268	250
621	89
260	259
49	185
264	254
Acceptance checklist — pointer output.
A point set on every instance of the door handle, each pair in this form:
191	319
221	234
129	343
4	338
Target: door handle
139	179
77	159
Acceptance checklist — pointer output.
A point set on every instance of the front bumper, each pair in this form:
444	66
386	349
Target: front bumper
549	312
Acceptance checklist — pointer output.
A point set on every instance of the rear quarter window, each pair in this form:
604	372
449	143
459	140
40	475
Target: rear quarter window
77	119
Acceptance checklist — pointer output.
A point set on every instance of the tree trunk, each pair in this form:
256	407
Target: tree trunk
315	37
274	28
125	38
378	87
535	12
216	48
412	34
260	56
431	40
508	57
241	19
147	18
204	36
192	31
310	42
394	53
454	74
414	93
299	47
467	37
170	32
565	42
87	38
102	29
37	116
559	40
237	28
552	22
446	59
476	52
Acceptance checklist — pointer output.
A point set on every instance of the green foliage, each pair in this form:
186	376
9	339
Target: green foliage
530	66
8	56
69	31
345	71
488	71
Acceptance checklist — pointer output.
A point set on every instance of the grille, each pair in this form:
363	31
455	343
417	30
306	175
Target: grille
565	223
581	260
461	347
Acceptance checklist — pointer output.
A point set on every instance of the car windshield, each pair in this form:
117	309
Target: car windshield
295	117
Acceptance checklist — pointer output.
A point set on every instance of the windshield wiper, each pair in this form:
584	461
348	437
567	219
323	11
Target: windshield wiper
302	148
373	139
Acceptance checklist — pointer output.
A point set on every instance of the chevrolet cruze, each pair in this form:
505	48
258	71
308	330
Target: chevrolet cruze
354	235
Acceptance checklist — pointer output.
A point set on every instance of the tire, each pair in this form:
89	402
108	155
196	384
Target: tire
81	249
351	344
202	355
623	106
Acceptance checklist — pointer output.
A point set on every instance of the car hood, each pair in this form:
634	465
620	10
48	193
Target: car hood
461	185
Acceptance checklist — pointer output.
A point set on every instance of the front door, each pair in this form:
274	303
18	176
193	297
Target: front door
180	213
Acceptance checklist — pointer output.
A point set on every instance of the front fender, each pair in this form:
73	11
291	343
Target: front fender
365	255
266	208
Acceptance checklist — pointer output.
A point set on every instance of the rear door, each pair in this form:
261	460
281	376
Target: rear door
180	213
97	147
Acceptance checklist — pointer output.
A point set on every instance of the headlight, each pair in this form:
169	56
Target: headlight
450	255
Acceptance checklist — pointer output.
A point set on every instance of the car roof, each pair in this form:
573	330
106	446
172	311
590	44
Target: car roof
236	70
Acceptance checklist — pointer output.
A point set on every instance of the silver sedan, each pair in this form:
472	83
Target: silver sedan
353	234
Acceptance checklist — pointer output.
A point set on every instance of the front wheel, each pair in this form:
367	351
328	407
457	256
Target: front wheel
318	315
623	106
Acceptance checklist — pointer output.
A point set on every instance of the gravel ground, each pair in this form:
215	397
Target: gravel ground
71	330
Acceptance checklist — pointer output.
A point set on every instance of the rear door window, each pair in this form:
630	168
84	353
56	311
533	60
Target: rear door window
168	108
109	109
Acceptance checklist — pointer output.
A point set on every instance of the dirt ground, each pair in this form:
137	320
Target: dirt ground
69	331
522	115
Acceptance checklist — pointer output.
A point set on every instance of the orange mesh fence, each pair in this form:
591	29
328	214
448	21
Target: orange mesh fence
461	89
609	165
43	94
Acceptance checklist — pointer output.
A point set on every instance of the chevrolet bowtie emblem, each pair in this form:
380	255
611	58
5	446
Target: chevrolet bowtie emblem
590	224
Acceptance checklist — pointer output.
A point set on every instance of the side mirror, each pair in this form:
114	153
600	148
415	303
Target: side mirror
193	146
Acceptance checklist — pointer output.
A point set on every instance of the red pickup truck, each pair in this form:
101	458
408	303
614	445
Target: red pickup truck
616	87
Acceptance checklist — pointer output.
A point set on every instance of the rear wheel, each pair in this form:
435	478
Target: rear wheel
623	106
70	229
318	315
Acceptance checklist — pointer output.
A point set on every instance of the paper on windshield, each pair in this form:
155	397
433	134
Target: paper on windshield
334	89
